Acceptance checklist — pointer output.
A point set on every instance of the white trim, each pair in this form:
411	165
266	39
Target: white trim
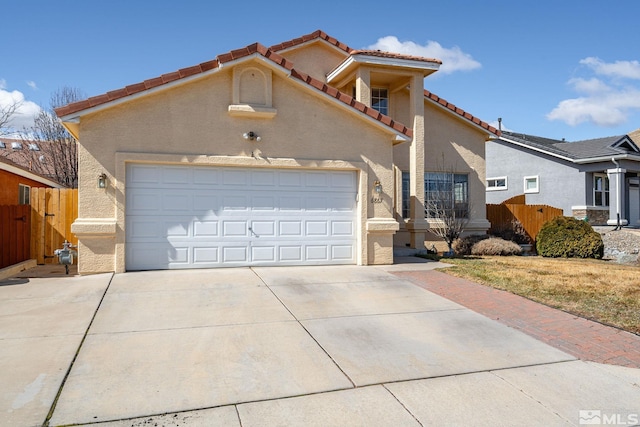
29	175
497	188
535	190
520	144
359	58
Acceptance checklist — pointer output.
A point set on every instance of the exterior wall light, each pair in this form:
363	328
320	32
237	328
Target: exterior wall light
377	187
102	180
250	136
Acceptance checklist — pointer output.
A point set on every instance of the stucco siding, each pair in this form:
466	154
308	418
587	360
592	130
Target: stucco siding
316	59
561	184
191	124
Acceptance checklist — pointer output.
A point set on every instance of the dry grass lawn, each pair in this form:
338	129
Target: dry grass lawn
594	289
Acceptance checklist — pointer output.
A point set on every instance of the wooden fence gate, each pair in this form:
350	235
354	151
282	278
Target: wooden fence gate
15	234
37	230
532	217
53	210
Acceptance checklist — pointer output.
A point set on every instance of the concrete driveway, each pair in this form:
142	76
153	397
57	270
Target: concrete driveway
281	346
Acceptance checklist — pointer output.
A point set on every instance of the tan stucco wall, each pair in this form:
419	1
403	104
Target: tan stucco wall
191	124
316	59
451	144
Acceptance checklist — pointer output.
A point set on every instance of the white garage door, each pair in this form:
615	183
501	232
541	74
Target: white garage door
199	217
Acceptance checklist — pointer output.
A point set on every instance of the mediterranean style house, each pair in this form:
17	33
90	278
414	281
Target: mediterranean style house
596	179
308	152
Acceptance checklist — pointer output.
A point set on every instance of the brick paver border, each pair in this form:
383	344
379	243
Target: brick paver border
582	338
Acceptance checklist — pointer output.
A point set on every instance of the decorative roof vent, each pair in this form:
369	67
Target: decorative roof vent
34	147
16	145
2	145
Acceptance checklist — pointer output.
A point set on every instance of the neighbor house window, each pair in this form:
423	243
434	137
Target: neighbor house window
531	184
600	189
495	184
380	100
24	194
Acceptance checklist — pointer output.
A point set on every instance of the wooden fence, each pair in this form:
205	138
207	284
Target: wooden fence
532	217
35	231
15	232
53	211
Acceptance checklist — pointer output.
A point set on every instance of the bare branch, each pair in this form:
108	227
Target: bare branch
55	153
447	204
6	114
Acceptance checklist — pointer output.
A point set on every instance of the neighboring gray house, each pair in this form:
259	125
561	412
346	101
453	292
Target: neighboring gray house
597	179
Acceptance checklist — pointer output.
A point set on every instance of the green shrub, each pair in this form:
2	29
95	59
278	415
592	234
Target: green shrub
496	246
463	245
569	238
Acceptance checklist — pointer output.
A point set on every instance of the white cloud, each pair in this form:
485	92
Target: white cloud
32	84
3	84
604	102
26	111
624	69
453	59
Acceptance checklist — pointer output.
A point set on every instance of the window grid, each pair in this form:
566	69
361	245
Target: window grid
443	191
380	100
600	190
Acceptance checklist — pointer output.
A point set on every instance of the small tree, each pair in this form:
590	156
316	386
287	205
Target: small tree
55	151
447	205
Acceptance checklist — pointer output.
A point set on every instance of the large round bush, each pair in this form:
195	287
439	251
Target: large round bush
569	238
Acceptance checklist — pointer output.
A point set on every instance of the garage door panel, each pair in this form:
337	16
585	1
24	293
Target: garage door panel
206	255
195	217
206	228
235	254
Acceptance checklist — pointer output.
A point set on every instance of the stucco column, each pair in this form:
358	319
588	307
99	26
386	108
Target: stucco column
417	225
616	196
363	86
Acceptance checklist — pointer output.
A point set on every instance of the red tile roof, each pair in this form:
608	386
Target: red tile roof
459	111
222	59
271	54
318	34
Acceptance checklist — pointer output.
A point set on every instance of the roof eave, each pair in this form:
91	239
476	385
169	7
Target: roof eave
539	150
626	156
29	175
75	116
352	61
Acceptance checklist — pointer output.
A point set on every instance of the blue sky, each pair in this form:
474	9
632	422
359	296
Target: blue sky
560	69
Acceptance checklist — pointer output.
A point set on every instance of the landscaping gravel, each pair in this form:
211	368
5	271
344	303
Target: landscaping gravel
623	246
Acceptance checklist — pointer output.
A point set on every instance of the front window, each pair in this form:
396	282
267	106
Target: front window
24	194
600	189
443	192
380	100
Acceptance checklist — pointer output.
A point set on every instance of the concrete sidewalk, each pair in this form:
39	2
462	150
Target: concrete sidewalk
283	346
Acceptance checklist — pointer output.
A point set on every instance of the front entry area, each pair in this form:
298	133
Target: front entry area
201	217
